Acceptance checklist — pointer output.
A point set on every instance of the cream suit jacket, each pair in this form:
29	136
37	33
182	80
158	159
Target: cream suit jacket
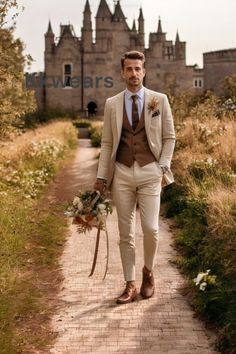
159	129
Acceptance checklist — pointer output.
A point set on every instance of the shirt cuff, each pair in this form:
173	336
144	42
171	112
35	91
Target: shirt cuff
103	178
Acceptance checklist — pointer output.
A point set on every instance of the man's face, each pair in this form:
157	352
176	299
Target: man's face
133	73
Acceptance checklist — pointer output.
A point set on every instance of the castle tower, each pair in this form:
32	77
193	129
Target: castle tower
118	13
141	28
161	36
49	47
87	31
134	30
180	48
134	38
49	39
177	40
103	25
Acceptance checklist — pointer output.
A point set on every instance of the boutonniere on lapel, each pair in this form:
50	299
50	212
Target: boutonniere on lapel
152	107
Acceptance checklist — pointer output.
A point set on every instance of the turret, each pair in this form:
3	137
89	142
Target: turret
141	27
118	13
134	27
103	25
87	31
49	39
180	48
177	40
161	36
104	16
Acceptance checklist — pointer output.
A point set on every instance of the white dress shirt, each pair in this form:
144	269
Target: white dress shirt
129	101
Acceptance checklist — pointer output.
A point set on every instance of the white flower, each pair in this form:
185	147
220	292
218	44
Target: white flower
203	286
101	207
77	203
199	278
203	279
210	161
69	213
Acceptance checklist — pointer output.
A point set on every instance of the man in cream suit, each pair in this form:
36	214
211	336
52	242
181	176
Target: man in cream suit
137	146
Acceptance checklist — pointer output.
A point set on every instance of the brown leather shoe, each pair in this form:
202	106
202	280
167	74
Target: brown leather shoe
129	294
147	287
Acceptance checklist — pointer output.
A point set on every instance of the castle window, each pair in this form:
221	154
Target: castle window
67	75
197	83
169	52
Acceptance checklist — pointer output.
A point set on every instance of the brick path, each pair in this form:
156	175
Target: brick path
89	321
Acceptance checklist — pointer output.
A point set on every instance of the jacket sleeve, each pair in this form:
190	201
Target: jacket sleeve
106	144
168	134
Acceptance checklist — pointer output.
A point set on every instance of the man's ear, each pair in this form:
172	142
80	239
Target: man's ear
122	73
144	72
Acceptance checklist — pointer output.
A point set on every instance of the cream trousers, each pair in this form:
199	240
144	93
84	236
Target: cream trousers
131	185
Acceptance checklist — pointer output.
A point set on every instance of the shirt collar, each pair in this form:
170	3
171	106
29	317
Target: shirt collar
139	93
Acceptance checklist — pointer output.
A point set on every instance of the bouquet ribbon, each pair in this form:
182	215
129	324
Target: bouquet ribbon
97	247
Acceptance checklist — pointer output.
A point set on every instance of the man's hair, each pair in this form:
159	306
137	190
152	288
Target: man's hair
133	54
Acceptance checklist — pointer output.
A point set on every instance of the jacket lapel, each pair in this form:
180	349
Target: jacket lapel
147	115
119	113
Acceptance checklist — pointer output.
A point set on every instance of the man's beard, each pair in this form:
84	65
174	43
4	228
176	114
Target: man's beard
133	81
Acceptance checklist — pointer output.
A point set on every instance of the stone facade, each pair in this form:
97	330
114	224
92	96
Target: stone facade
71	61
217	65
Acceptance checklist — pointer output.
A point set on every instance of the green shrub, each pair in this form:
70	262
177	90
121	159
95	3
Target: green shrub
206	240
96	136
82	123
174	197
31	120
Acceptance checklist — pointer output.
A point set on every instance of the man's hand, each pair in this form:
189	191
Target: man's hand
100	185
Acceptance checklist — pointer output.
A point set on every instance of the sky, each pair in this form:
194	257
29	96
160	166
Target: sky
205	25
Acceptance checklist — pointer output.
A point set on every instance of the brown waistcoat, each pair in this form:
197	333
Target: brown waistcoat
134	144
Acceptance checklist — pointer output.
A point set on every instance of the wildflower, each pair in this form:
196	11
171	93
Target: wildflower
204	279
76	201
200	276
203	286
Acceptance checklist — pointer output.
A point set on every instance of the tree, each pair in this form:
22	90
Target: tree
229	87
15	100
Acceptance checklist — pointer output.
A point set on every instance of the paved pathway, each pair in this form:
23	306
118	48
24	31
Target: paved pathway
89	321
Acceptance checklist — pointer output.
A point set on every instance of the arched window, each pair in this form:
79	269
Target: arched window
67	75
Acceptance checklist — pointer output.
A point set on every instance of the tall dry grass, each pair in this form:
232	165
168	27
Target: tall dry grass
31	234
15	148
225	151
203	203
222	214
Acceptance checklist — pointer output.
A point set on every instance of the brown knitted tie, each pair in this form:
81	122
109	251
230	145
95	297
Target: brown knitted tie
135	116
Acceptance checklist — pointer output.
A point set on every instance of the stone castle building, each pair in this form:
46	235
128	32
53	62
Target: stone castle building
217	65
81	73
